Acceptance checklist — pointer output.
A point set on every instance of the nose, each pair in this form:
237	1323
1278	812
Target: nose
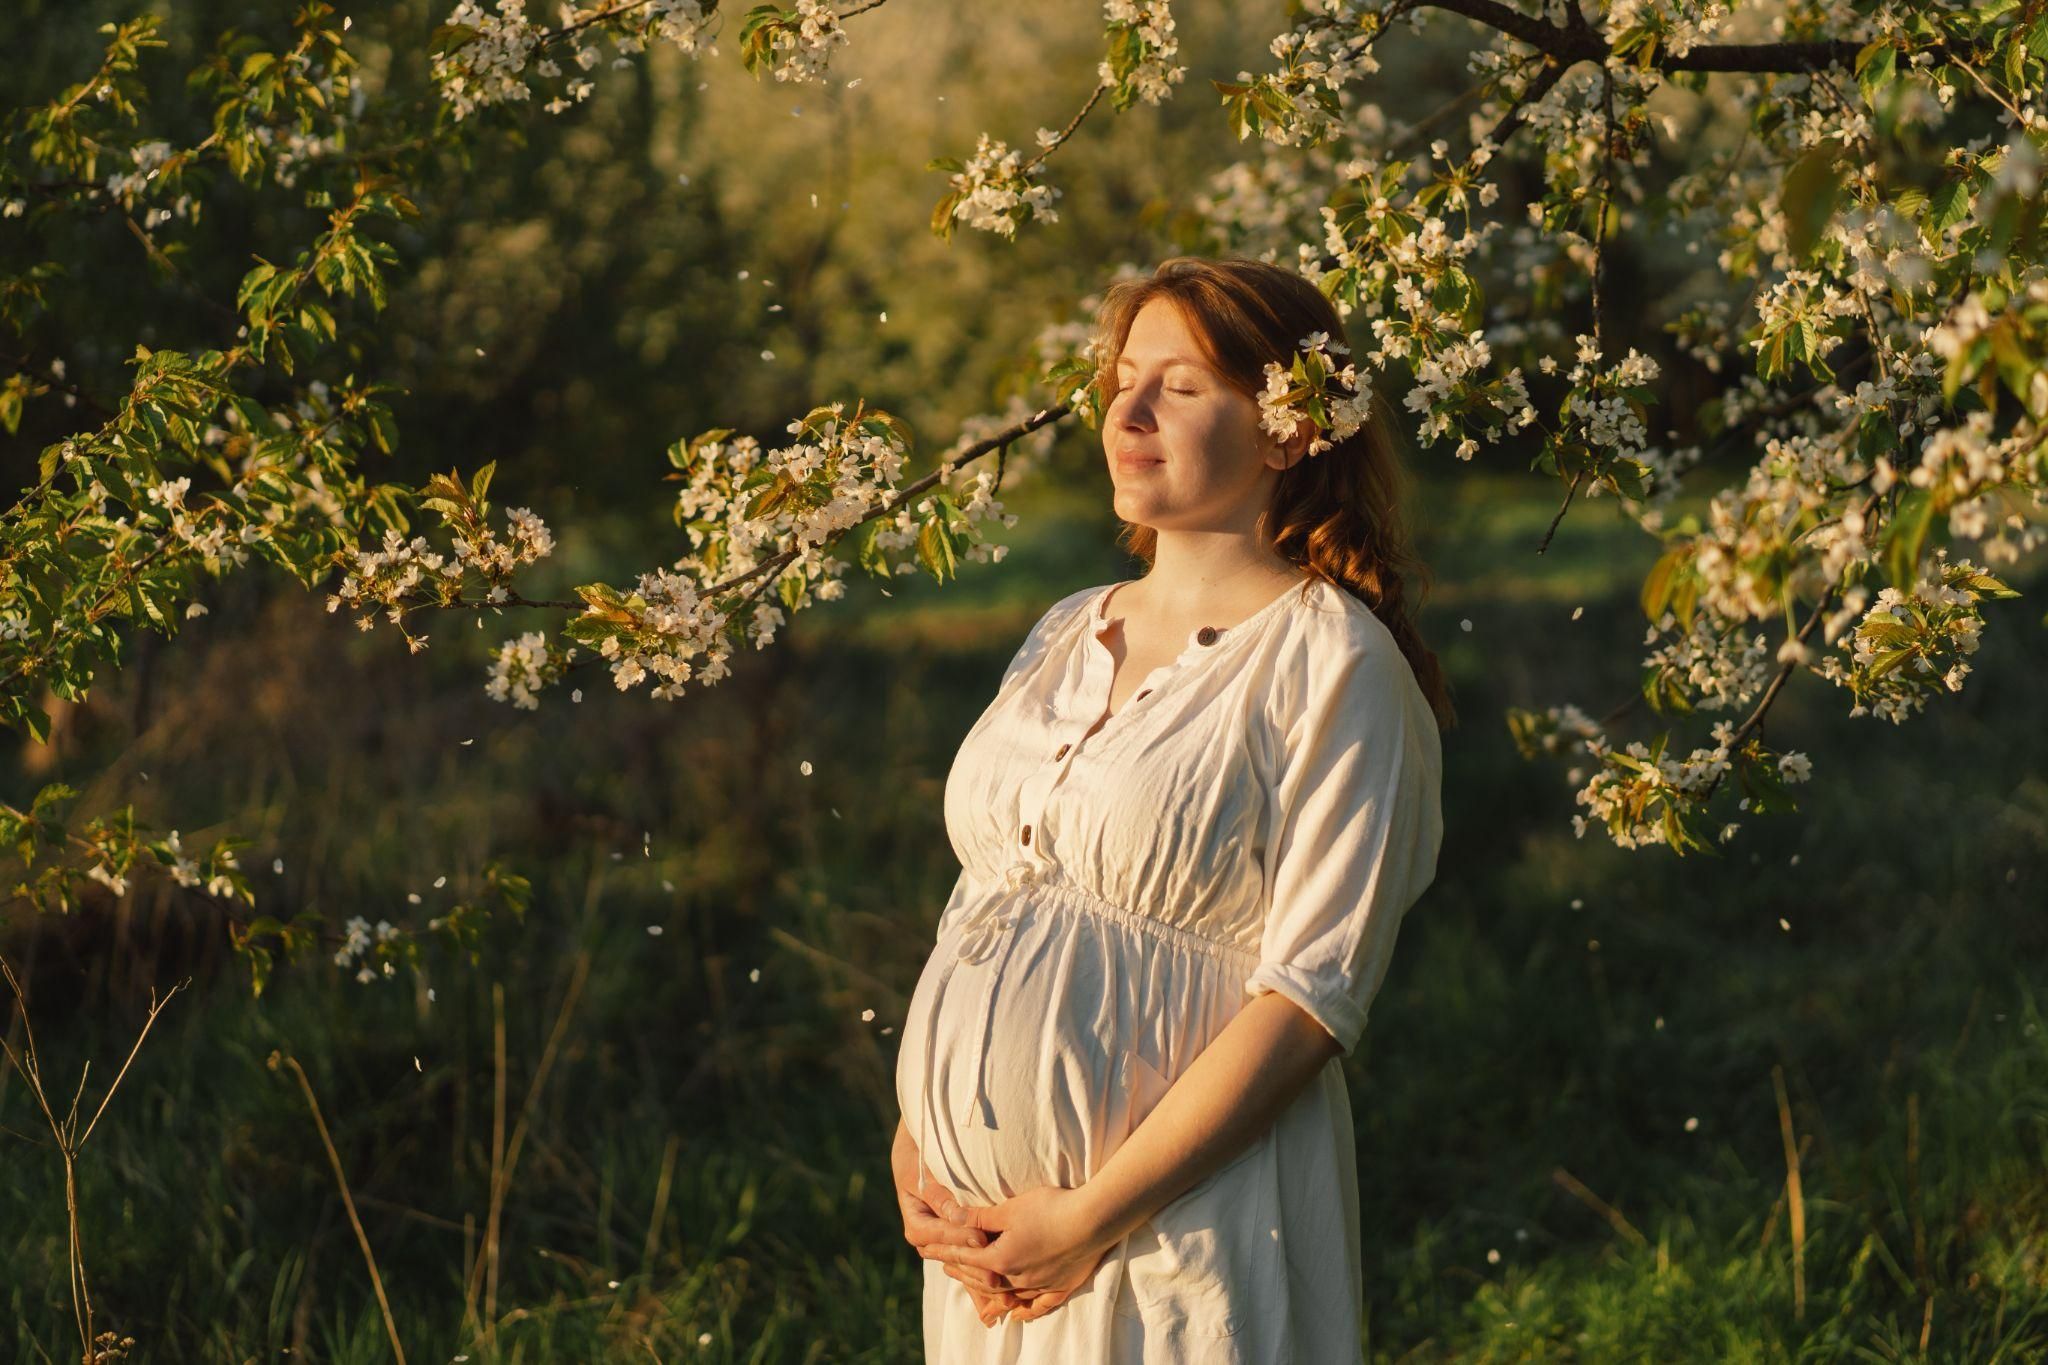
1134	409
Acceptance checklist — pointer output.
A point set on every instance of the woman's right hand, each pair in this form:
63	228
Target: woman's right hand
918	1196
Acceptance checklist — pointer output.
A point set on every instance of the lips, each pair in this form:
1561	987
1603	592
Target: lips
1128	460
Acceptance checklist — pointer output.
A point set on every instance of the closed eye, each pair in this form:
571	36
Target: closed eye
1186	391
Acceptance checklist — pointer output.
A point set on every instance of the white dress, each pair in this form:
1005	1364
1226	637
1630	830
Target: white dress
1257	817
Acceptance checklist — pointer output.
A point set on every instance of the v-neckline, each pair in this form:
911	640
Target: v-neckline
1098	621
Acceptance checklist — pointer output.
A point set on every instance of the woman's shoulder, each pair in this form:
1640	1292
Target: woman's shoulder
1337	662
1333	630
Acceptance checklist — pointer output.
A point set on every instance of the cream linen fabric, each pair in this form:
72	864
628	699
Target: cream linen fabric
1258	817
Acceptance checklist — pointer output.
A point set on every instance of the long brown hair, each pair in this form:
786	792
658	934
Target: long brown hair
1337	515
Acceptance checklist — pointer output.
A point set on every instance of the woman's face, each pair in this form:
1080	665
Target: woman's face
1185	449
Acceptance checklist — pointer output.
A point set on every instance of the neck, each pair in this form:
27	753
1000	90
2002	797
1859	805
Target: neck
1195	575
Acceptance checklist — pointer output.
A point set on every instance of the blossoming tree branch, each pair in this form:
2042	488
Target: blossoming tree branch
1860	180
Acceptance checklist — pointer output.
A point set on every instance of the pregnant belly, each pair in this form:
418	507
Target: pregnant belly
1011	1073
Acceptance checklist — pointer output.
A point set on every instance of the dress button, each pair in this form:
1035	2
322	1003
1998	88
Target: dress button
1207	635
1063	751
1027	834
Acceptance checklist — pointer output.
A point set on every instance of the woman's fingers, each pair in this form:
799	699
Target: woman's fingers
991	1306
922	1226
983	1285
1041	1305
973	1257
938	1199
981	1281
925	1232
933	1193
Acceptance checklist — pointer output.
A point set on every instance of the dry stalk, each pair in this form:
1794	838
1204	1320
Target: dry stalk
70	1142
505	1151
661	1192
1778	1204
1578	1191
1921	1274
1793	1199
348	1202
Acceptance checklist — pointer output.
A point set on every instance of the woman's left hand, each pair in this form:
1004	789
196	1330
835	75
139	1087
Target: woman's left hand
1044	1242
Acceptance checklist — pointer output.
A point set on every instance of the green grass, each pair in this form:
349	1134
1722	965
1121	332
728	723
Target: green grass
1505	1048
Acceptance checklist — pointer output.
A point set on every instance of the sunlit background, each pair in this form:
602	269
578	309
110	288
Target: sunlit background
1570	1141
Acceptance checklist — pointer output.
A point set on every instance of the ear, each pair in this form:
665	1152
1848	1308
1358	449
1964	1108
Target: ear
1292	450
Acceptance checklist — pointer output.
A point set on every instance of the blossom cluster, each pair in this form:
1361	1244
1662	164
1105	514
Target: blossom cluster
1909	647
1610	401
129	187
1644	797
402	570
184	869
1142	51
206	532
290	151
768	516
523	666
359	945
800	44
388	576
664	629
995	190
1787	526
1312	391
486	62
1676	26
1262	208
1379	254
1328	48
1637	786
1714	664
1807	304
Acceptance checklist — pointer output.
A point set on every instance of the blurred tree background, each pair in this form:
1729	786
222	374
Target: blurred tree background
1585	1078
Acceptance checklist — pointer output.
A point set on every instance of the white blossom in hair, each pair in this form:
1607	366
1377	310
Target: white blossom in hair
1313	390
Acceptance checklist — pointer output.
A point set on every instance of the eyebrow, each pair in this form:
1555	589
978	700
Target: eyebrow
1169	360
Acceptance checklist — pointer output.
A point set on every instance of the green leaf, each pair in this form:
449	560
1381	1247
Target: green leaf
451	38
1811	192
1904	537
935	547
1876	66
1658	585
602	595
1946	206
383	428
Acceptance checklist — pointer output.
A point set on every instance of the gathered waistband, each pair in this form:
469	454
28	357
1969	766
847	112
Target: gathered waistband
1086	900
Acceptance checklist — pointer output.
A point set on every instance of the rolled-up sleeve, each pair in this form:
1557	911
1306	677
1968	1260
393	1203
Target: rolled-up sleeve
1357	822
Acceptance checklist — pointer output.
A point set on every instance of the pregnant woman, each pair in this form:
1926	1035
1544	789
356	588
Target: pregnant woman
1189	826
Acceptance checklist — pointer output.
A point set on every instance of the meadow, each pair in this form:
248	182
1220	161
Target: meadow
1574	1102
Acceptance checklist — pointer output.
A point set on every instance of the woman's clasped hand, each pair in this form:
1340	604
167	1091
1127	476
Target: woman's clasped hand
1021	1258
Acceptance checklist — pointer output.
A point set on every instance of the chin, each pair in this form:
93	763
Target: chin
1137	511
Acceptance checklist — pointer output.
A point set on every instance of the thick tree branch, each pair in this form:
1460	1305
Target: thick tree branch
1580	42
